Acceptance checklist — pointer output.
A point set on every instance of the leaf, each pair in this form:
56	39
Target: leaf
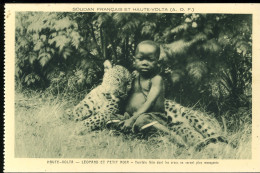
31	78
94	52
44	58
208	29
75	25
75	39
242	47
67	52
81	76
43	37
130	26
63	24
35	37
199	37
210	46
23	42
103	19
83	52
38	45
176	75
188	20
52	51
61	41
178	47
148	28
26	78
223	39
53	34
51	41
32	57
196	70
119	17
180	28
194	25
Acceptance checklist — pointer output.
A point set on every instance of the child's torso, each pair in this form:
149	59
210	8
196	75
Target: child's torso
139	95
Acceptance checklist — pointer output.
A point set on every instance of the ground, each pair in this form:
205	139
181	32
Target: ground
42	131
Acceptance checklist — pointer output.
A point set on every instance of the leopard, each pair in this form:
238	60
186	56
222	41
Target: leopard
102	104
196	128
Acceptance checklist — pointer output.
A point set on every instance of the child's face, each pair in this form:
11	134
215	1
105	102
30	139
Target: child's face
146	58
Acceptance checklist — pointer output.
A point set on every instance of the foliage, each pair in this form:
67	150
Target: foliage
205	58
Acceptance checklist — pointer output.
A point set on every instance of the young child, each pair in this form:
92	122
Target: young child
147	93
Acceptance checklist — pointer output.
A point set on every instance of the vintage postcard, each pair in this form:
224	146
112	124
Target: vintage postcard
132	88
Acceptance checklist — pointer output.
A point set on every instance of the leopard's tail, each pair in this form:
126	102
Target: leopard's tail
214	140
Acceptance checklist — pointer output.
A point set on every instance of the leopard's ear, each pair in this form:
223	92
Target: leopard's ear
107	65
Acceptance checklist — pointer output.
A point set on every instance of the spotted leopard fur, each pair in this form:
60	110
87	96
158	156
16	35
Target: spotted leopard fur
102	104
196	128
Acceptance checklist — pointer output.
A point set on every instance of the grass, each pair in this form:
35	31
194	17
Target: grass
42	131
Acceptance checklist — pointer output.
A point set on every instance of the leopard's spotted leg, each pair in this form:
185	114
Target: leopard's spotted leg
208	128
194	139
188	134
199	146
92	123
84	109
198	121
99	120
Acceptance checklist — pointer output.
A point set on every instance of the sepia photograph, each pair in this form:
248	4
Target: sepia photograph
131	88
133	85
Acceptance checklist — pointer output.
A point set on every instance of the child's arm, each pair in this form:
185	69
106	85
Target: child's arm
157	86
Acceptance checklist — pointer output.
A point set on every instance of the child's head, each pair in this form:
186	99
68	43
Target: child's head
146	56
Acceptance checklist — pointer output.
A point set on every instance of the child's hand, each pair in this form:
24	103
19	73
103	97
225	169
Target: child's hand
127	125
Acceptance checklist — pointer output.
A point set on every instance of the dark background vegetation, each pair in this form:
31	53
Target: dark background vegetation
206	59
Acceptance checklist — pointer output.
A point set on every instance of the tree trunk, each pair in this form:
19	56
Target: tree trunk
95	40
103	42
114	50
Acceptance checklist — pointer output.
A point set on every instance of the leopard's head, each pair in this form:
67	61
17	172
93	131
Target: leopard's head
117	79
